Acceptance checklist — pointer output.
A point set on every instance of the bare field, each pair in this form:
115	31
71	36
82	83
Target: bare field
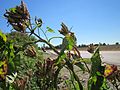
111	57
104	48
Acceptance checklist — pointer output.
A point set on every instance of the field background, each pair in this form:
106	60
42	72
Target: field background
104	48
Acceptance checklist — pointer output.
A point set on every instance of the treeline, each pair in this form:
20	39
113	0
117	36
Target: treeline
83	45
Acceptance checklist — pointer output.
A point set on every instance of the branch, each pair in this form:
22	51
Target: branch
50	45
22	48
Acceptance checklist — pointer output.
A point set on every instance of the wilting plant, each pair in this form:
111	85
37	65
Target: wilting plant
46	74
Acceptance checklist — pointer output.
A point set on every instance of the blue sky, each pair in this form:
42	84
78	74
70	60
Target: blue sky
93	21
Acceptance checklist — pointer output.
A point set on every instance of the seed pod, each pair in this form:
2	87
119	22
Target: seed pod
21	83
30	51
90	48
16	27
64	30
22	27
18	10
38	22
18	17
11	19
24	9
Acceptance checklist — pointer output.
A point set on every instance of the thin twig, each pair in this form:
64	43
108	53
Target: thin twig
44	34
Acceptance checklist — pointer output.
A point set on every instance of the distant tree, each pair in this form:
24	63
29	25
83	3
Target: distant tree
117	43
104	44
79	46
58	46
83	45
96	44
20	38
39	48
100	44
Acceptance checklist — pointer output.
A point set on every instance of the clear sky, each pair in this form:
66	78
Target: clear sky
93	21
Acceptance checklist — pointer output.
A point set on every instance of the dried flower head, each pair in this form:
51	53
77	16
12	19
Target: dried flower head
18	17
64	30
30	51
90	48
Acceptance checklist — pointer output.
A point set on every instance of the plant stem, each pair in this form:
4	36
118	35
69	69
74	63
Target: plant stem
82	59
41	39
50	45
44	34
54	37
56	76
70	66
38	32
72	79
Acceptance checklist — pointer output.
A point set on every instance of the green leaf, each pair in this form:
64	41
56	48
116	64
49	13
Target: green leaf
80	65
104	86
2	63
70	66
69	41
77	86
12	10
11	56
96	62
3	36
11	46
94	79
98	73
91	82
60	58
50	30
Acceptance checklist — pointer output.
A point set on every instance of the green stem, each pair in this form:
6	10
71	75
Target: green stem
38	32
40	39
22	48
86	65
50	45
54	38
44	34
56	76
82	59
71	79
70	66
